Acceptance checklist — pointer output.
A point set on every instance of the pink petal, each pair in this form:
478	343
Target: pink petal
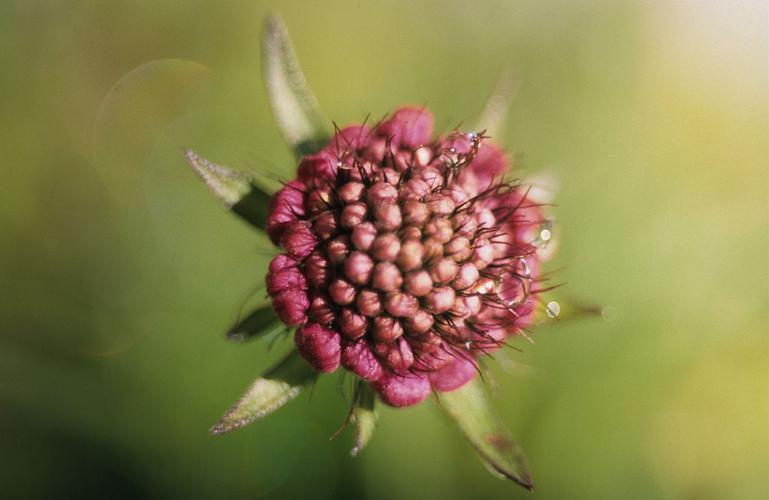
408	127
358	358
298	239
320	346
350	138
317	170
490	163
286	206
291	306
402	390
453	375
284	280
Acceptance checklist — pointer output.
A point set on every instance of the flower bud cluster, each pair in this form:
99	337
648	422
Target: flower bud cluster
404	257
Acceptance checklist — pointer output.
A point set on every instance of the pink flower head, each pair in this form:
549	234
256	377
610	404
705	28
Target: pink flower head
407	256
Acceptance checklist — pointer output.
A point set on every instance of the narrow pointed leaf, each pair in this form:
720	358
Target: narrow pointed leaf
363	417
261	322
494	114
275	388
295	108
472	410
235	189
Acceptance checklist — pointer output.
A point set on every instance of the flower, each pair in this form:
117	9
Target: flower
406	257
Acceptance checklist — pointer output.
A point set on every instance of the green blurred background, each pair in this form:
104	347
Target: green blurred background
119	272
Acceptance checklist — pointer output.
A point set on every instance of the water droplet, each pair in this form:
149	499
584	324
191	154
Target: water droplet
545	235
553	309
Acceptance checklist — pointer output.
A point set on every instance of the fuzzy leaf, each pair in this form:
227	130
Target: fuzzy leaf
294	106
261	322
269	392
235	189
363	417
472	410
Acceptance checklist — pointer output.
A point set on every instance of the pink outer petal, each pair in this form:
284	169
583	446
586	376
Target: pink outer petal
434	360
526	313
524	214
352	137
291	306
490	163
320	346
285	207
454	375
317	170
298	239
283	275
402	390
358	358
409	127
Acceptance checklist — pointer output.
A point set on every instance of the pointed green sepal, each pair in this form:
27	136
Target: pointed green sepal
261	322
494	114
472	410
269	392
363	416
235	189
294	106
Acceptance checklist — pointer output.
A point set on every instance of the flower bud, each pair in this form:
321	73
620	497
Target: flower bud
358	358
410	255
458	248
337	249
433	250
483	254
420	323
341	292
319	345
415	213
283	275
418	283
363	236
320	310
387	277
353	214
386	329
439	229
317	270
402	390
325	225
401	304
387	217
467	276
396	355
351	192
443	271
286	206
352	324
416	190
316	169
381	193
358	268
298	239
368	303
385	247
440	204
440	299
318	200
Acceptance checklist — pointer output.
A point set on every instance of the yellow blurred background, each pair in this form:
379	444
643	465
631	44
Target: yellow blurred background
119	272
